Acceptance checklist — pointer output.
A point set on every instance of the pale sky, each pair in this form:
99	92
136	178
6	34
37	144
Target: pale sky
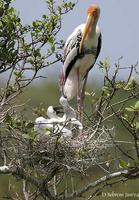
118	23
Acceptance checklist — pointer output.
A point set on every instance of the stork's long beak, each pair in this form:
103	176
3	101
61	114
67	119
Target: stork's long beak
89	22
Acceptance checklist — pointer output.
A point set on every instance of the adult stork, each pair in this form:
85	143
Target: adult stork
80	53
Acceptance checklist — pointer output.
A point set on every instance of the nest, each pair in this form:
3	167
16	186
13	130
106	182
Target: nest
79	153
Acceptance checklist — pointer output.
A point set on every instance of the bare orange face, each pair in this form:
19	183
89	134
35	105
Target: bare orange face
92	9
93	15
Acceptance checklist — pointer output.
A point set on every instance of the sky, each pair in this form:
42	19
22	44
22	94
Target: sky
118	23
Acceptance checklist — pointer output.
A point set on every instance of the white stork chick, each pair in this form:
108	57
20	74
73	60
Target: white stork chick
55	123
45	126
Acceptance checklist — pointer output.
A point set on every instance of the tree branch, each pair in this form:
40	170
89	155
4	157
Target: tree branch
130	173
20	172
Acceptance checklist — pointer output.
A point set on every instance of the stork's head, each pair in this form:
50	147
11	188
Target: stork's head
52	112
94	10
93	13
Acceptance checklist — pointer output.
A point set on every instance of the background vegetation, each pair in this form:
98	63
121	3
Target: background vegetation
111	118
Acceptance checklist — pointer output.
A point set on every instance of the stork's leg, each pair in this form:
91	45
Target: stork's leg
83	97
78	95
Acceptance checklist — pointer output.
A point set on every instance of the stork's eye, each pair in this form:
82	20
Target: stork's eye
95	13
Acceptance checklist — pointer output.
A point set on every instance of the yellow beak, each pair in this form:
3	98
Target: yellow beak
89	23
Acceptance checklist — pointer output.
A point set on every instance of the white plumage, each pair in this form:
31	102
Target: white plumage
56	124
81	51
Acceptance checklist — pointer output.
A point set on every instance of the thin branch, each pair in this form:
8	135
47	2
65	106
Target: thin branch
127	173
18	171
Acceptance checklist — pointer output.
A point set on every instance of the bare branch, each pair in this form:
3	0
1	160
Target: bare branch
130	174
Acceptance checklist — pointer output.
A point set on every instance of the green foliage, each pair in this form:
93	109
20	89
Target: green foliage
25	127
134	108
9	26
122	164
40	111
105	63
130	164
107	91
132	83
29	48
32	136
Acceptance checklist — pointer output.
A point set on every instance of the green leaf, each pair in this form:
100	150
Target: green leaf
44	16
29	125
137	105
122	164
130	109
18	74
131	84
31	136
51	40
37	53
137	125
106	91
105	63
132	163
120	84
1	11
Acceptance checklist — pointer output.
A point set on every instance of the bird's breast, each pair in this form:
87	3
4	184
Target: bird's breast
84	63
88	55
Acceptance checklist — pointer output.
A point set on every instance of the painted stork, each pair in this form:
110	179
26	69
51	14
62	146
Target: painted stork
80	53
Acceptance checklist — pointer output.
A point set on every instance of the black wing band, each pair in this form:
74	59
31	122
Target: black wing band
75	43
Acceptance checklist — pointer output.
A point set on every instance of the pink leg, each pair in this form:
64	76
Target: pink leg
83	97
78	94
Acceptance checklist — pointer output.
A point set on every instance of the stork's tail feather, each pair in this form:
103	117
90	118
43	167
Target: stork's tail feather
61	78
